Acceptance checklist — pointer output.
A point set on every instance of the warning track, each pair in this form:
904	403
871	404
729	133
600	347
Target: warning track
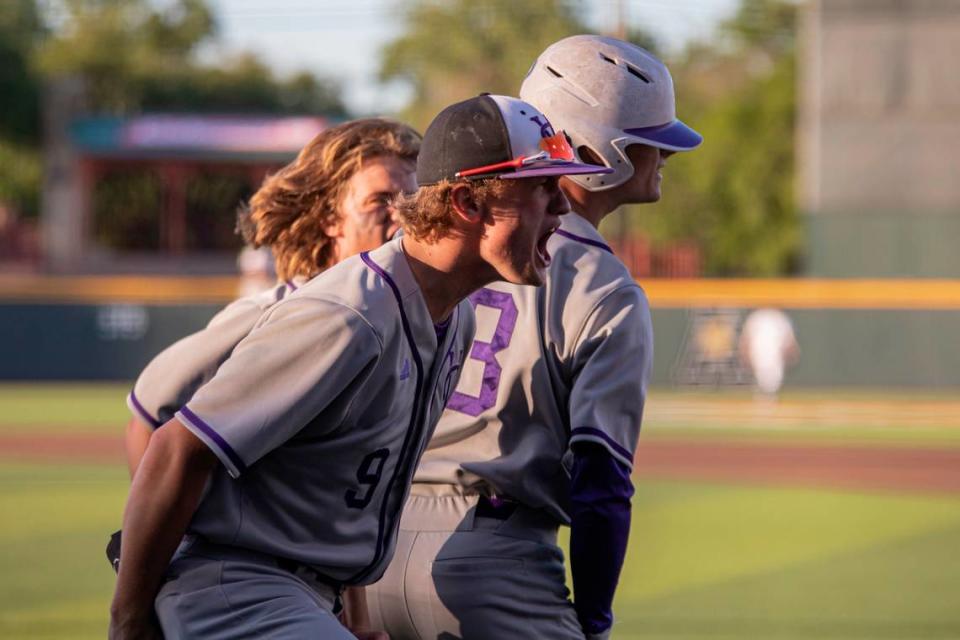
908	469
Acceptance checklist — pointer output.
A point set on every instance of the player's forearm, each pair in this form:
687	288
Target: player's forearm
163	498
600	526
136	438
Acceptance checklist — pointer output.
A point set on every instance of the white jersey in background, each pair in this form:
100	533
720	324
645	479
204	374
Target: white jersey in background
768	339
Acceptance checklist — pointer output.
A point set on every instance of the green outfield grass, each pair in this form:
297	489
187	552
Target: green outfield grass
54	578
55	408
886	417
710	561
751	562
705	561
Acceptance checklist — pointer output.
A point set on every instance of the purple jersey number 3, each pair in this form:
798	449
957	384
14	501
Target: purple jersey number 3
486	353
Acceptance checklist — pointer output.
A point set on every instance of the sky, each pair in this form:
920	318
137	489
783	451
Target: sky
342	39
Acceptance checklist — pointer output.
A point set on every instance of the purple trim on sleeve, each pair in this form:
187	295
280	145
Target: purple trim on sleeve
140	409
290	284
581	239
216	437
597	433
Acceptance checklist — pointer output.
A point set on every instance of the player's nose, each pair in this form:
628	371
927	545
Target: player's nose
559	205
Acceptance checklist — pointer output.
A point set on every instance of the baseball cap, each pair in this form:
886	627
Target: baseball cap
495	136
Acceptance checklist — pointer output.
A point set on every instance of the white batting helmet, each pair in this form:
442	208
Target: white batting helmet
607	94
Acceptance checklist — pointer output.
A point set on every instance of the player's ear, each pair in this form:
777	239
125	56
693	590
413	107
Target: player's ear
333	225
333	228
464	203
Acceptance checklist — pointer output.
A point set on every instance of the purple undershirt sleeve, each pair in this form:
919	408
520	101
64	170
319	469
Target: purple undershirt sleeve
600	492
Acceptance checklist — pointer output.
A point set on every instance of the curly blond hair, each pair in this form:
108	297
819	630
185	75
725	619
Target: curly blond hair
428	214
292	207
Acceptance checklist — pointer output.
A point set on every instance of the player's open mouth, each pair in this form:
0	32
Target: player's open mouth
542	251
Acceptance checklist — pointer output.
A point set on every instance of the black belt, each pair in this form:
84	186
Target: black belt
496	507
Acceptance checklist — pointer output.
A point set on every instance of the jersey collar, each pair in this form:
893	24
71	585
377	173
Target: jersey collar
391	258
575	227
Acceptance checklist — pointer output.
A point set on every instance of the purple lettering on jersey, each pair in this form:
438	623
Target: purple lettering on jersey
486	353
452	363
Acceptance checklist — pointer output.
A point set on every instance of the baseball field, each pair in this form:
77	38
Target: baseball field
826	515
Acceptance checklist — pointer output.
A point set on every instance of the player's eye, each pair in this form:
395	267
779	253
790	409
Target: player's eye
551	183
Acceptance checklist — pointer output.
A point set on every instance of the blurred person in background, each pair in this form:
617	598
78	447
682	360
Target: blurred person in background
330	203
767	346
257	271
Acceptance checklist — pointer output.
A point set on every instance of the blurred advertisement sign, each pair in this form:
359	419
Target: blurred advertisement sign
195	134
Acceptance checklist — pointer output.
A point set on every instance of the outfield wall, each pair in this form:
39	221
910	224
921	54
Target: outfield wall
851	333
845	347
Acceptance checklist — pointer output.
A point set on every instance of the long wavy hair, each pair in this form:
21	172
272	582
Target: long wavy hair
292	208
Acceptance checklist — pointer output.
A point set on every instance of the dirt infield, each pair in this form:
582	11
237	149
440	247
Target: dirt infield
846	467
78	448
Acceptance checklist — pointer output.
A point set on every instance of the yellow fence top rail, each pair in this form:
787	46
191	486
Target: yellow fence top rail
799	293
805	293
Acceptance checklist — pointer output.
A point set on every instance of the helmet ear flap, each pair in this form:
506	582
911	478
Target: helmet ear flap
615	158
589	156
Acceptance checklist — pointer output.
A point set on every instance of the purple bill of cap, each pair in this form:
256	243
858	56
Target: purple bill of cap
673	136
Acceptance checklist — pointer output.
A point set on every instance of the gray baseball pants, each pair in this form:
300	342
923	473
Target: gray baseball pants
224	593
457	576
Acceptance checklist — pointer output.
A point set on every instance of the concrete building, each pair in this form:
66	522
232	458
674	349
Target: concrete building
879	137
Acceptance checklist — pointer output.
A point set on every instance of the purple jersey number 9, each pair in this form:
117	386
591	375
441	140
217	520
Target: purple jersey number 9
486	352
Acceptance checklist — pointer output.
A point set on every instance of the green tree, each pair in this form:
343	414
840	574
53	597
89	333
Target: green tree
134	56
20	30
735	195
453	50
19	178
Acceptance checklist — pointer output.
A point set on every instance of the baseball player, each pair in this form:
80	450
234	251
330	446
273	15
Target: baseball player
282	479
330	203
542	427
767	345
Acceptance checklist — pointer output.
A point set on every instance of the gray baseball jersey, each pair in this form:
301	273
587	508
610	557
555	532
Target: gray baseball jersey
321	414
175	374
550	366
